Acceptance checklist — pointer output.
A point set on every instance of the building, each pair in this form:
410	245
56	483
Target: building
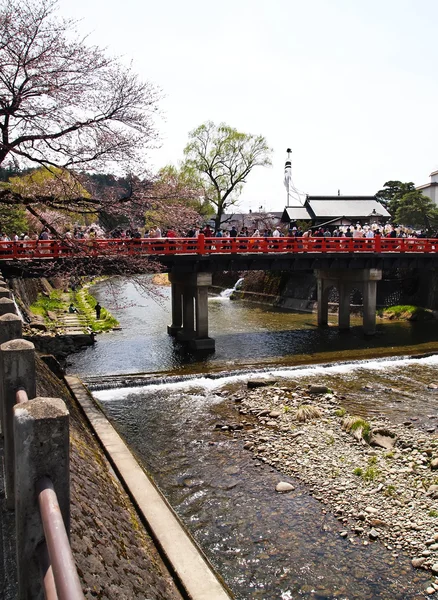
431	189
333	211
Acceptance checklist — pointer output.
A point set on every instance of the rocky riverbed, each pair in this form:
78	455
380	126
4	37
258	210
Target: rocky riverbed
384	490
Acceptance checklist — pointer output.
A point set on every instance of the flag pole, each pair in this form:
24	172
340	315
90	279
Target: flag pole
288	174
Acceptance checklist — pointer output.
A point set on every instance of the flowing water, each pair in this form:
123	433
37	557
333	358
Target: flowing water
265	545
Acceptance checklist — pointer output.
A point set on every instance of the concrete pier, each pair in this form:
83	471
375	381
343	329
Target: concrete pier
190	310
345	281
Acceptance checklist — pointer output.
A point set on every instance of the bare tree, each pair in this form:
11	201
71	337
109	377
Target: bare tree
62	101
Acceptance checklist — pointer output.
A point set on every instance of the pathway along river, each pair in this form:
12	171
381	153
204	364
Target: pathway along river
264	544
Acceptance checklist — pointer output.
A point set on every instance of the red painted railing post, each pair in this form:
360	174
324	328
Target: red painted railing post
201	243
377	243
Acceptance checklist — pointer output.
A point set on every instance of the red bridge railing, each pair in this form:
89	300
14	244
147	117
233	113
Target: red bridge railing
43	249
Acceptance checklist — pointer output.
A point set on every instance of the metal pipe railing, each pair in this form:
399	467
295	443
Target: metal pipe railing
65	576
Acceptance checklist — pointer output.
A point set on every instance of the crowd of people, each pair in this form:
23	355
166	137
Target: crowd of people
293	230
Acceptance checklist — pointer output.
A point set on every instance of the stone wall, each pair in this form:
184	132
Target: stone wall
115	557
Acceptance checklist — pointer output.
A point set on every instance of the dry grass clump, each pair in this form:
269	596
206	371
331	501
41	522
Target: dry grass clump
358	427
307	412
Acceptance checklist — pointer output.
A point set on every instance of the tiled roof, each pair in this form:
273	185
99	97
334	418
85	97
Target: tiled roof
347	206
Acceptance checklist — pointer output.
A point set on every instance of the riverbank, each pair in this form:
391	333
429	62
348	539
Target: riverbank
378	494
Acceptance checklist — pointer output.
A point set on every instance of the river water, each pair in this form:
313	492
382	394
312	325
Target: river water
265	545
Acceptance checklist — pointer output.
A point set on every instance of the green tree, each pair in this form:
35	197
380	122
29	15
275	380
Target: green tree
224	157
13	219
417	210
392	193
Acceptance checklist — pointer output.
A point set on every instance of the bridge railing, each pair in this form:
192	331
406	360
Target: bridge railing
36	462
45	249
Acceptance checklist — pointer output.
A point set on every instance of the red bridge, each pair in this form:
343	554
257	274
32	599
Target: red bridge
343	263
44	249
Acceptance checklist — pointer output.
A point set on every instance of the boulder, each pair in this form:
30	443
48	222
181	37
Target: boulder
257	383
318	389
434	463
38	325
383	438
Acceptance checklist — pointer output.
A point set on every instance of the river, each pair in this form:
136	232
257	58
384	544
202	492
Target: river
265	545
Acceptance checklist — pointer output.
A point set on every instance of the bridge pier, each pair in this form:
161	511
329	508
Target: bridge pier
345	280
190	310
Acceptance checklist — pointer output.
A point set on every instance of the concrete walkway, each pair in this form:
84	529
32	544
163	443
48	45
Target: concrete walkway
188	563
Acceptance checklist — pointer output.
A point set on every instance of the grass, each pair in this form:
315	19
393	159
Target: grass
390	490
433	513
307	412
370	473
340	412
358	427
45	303
406	312
85	302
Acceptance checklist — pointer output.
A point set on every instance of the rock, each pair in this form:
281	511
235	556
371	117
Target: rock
371	510
284	487
344	534
430	590
52	315
373	534
418	562
383	438
432	386
434	569
38	325
264	412
434	463
274	414
254	383
248	446
318	389
377	523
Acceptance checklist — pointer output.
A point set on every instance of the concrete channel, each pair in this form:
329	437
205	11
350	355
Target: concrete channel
190	566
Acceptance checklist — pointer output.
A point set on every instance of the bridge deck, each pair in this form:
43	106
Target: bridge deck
29	257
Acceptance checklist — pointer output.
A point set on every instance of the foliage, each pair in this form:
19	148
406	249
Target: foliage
392	193
433	513
340	412
417	210
13	220
358	471
224	157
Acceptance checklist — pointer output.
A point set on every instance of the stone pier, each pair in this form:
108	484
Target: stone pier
345	281
190	310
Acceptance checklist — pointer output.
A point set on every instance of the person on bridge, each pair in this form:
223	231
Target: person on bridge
98	308
72	308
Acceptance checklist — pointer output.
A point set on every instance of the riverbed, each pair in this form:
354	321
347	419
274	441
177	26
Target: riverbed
264	544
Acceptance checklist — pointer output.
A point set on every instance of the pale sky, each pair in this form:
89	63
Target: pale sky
349	85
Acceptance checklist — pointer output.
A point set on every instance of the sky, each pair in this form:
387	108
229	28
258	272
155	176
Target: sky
349	86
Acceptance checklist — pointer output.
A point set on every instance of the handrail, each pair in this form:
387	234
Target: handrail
77	249
65	576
